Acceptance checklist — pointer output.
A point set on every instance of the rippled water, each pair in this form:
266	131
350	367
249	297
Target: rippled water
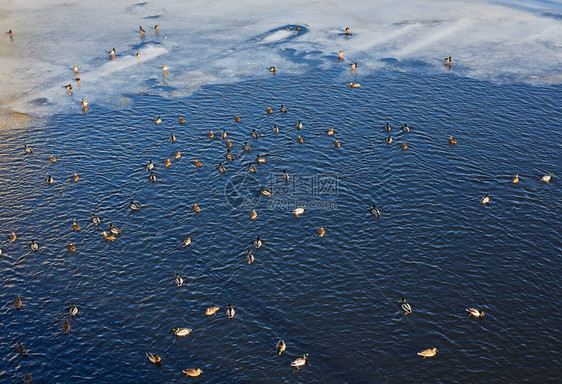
333	297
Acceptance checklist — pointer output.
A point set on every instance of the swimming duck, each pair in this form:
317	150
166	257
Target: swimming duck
265	192
229	156
428	352
546	178
75	226
142	31
298	211
223	135
404	145
187	241
250	257
353	66
257	243
153	176
84	102
253	215
13	237
255	135
108	236
181	332
515	179
177	155
75	177
269	110
34	246
27	149
300	361
114	230
11	33
66	326
150	166
299	125
74	310
211	134
330	132
474	312
77	79
165	67
156	27
222	169
230	311
247	147
50	180
347	31
52	159
167	163
283	109
237	118
405	307
18	303
182	120
375	211
112	53
354	85
299	139
340	55
389	140
387	127
281	347
158	120
193	372
485	200
172	138
272	69
448	60
198	163
211	311
68	87
96	220
228	143
452	141
27	378
196	208
285	176
75	69
337	143
261	160
155	359
134	206
321	232
22	350
406	128
138	55
275	129
251	168
179	280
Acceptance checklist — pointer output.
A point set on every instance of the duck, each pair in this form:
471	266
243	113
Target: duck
196	208
257	242
211	134
75	226
181	332
452	141
66	326
74	310
448	60
27	149
18	303
230	311
52	159
13	237
84	102
272	69
405	306
179	280
223	135
22	350
75	177
165	67
134	206
11	33
77	79
177	155
299	139
75	69
193	372
156	27
515	179
299	125
354	85
153	176
428	352
261	160
300	361
266	192
96	220
108	236
68	87
281	347
247	147
340	55
34	246
251	168
375	211
158	120
50	180
275	129
337	143
155	359
285	176
229	156
485	200
347	31
269	110
546	178
389	140
198	163
250	257
172	138
138	55
150	166
387	127
404	145
255	134
298	211
211	311
114	230
181	120
406	128
253	215
474	312
283	109
112	53
353	66
167	163
186	242
142	31
228	143
321	232
222	169
237	118
330	132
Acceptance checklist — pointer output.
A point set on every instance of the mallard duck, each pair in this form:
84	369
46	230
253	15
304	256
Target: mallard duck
353	66
299	125
66	326
193	372
337	143
96	220
150	166
428	352
389	140
546	178
221	168
485	200
181	120
75	177
249	257
22	350
247	147
452	141
237	118
387	127
179	280
375	211
281	347
158	120
177	155
76	227
138	55
261	160
34	246
283	109
321	232
269	110
229	156
27	378
165	67
68	87
251	168
11	33
155	359
330	132
354	85
257	242
347	31
300	361
275	129
187	241
167	163
27	149
448	60
266	192
404	145
285	176
84	102
181	332
198	163
18	303
515	179
405	306
196	208
52	159
272	69
108	236
255	135
340	55
211	311
230	311
406	128
50	180
299	139
172	138
153	176
298	211
211	134
114	230
142	31
228	143
223	135
112	52
474	312
156	27
253	215
77	79
13	237
74	310
134	206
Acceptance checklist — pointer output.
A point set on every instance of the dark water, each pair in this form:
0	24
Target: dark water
333	297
